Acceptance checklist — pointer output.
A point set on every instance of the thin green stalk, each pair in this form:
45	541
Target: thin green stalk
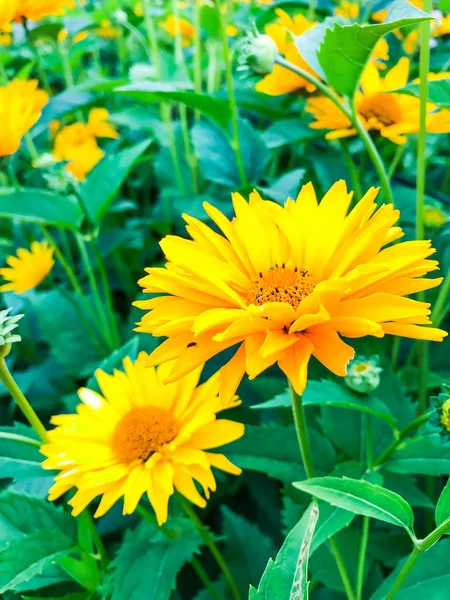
362	557
26	408
32	151
400	437
23	439
204	578
342	569
395	351
197	51
441	306
354	120
407	567
37	56
369	440
107	293
96	539
95	292
395	161
235	141
311	14
213	67
353	171
214	549
301	431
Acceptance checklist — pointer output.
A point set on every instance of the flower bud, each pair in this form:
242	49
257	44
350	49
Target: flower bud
440	417
363	374
258	53
433	216
7	325
44	161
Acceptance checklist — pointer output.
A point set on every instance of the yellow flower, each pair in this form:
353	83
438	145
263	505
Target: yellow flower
282	80
411	42
107	30
21	104
6	38
35	10
443	27
173	25
282	283
380	108
7	12
348	10
380	53
77	143
78	37
28	268
140	436
232	31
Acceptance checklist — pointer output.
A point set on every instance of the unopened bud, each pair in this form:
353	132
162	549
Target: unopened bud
258	53
363	374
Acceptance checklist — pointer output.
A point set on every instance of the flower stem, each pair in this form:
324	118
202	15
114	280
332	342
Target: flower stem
302	432
342	569
362	557
400	436
26	408
37	56
204	578
235	142
353	171
407	567
354	120
197	51
214	549
23	439
440	306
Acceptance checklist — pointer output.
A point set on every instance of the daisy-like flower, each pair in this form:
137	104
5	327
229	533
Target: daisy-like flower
77	143
380	108
283	283
28	269
363	374
140	436
172	26
35	10
282	80
21	104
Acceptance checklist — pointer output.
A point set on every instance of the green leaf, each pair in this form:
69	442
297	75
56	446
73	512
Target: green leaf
148	561
329	393
101	186
247	549
278	577
64	104
31	205
343	50
331	521
423	455
24	559
150	91
288	131
114	361
443	505
362	498
438	91
19	461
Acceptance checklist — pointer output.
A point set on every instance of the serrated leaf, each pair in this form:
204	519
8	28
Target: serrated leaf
278	576
101	186
343	50
147	563
299	590
422	455
114	361
362	498
443	505
24	559
43	207
438	91
151	91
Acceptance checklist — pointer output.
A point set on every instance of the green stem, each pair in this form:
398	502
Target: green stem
395	351
440	306
197	51
353	171
342	569
352	117
204	578
235	142
37	56
400	437
14	437
404	572
107	293
22	402
311	14
211	544
362	557
34	154
301	431
97	540
395	161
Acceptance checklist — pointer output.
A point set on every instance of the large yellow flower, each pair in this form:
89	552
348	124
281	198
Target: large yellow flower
28	268
21	104
77	143
282	80
140	436
282	283
35	10
380	108
173	25
7	12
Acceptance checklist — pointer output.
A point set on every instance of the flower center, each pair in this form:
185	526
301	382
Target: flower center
445	418
361	368
281	284
383	108
141	433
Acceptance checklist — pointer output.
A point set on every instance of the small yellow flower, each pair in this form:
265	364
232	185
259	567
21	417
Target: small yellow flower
380	108
107	30
6	38
442	27
232	31
140	436
434	217
21	104
79	37
282	283
35	10
28	269
7	12
282	80
77	143
173	25
445	418
348	10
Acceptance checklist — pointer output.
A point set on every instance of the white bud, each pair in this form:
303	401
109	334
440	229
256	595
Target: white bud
363	374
